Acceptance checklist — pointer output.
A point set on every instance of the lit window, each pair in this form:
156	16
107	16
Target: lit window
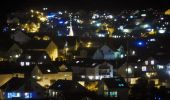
160	66
77	62
129	70
120	85
27	63
97	77
143	68
90	77
133	52
13	95
28	95
22	63
45	57
152	62
29	57
82	76
113	94
146	62
48	70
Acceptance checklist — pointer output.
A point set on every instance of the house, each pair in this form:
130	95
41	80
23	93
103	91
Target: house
9	70
137	67
20	37
47	74
115	87
106	53
29	57
91	70
66	89
9	49
23	89
40	45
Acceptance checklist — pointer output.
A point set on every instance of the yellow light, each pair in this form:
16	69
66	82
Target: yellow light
167	12
32	11
89	44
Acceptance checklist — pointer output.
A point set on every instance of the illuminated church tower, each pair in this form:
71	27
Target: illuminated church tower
71	33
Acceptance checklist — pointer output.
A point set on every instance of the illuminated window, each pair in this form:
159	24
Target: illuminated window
136	67
27	95
146	62
27	63
143	68
48	70
22	63
113	94
129	70
14	95
160	67
28	57
152	62
90	77
45	57
82	76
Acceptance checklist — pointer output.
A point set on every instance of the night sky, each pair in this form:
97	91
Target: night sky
8	6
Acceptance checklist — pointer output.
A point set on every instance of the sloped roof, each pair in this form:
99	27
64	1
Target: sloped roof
5	42
48	68
36	44
11	84
35	55
21	85
67	86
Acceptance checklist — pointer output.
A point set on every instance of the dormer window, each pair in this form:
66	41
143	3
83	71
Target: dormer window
146	62
152	62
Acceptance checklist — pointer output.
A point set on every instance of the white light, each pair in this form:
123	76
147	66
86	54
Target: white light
136	67
143	68
13	29
77	62
82	76
16	56
97	77
146	62
45	57
93	64
48	70
29	57
60	13
90	77
152	62
22	63
131	17
160	67
121	56
152	40
161	31
126	30
98	24
143	15
146	26
110	16
129	70
133	52
27	63
162	18
139	60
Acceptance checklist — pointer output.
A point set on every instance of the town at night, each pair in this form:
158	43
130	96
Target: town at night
84	50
